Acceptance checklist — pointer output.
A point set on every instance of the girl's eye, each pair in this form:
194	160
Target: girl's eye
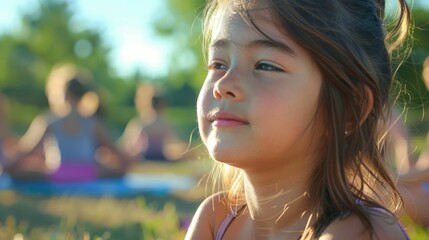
217	66
267	67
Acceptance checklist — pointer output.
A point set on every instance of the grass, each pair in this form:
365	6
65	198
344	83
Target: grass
33	217
84	218
415	231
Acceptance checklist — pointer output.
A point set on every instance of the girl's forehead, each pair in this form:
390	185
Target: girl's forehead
227	23
227	17
238	26
246	8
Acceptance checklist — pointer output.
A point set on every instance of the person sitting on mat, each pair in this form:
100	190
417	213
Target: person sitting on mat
150	135
412	171
414	187
69	138
413	168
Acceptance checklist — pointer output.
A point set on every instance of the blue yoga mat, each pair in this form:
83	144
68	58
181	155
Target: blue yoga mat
132	184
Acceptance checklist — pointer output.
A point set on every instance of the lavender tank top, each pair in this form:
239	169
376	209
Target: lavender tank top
231	216
225	224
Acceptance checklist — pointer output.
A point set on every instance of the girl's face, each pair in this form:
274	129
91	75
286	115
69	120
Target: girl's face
259	99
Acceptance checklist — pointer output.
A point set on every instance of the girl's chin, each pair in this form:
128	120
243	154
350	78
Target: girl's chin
228	157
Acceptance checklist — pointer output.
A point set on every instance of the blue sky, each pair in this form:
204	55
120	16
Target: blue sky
126	26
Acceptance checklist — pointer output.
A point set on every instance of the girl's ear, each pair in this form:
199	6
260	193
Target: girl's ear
366	109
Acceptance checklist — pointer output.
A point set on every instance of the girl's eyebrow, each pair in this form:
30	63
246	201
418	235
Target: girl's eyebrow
272	44
225	43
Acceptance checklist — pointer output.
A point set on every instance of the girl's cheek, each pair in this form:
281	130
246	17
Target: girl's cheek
201	103
204	94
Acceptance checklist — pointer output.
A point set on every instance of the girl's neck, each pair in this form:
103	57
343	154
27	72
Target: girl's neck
280	205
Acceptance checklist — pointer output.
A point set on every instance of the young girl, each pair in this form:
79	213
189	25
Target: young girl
291	110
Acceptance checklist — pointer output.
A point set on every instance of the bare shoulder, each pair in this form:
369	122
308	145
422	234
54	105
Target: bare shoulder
208	217
351	227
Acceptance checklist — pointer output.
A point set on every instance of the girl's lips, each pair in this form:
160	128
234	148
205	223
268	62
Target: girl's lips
224	119
227	123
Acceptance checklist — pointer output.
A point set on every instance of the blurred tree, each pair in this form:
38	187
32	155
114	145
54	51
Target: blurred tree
413	92
48	36
181	24
45	39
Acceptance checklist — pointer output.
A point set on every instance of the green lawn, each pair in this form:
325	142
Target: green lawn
36	217
31	217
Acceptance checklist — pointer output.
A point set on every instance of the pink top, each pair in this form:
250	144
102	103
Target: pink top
231	216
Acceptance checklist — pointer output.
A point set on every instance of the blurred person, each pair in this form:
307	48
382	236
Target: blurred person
401	155
414	182
414	187
150	135
69	134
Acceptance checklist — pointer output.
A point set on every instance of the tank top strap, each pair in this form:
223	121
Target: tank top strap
383	211
227	222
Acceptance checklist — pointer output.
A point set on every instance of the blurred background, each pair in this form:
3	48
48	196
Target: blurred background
124	44
121	44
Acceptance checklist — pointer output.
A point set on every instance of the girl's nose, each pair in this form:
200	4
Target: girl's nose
229	87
